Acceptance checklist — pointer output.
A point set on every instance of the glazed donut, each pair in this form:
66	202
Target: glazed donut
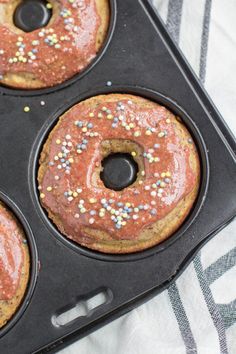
139	216
14	265
50	55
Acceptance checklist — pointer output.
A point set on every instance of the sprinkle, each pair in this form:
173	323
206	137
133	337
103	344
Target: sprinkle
168	120
42	195
58	141
26	109
92	200
161	134
91	221
137	133
153	194
49	189
109	83
133	153
42	103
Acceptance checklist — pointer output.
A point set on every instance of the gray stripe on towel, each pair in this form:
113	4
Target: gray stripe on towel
182	319
212	307
174	18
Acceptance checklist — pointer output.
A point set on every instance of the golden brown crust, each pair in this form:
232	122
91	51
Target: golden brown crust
100	240
9	307
28	80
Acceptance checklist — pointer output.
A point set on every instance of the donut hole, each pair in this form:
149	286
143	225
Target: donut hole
22	16
121	164
30	15
120	170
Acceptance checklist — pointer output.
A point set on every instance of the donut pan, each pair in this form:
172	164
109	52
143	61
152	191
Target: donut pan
140	58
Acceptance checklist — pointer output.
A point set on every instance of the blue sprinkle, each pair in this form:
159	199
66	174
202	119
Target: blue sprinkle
90	125
141	207
85	141
119	204
156	146
93	212
153	212
118	226
114	125
83	147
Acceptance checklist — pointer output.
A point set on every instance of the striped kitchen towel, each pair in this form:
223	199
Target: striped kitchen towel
197	314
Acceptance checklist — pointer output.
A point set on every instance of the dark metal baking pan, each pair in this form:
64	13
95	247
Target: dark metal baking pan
139	58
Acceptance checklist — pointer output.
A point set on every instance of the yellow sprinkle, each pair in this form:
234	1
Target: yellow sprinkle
84	129
137	133
143	173
100	115
163	174
162	184
168	121
148	132
133	153
101	214
49	189
161	134
58	141
104	109
82	210
79	151
109	116
60	155
168	174
75	194
132	125
26	109
91	115
71	160
92	200
42	195
49	6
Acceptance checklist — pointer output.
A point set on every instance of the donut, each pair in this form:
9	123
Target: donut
52	54
144	213
14	265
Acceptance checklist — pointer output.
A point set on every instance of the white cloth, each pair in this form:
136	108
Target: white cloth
196	314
